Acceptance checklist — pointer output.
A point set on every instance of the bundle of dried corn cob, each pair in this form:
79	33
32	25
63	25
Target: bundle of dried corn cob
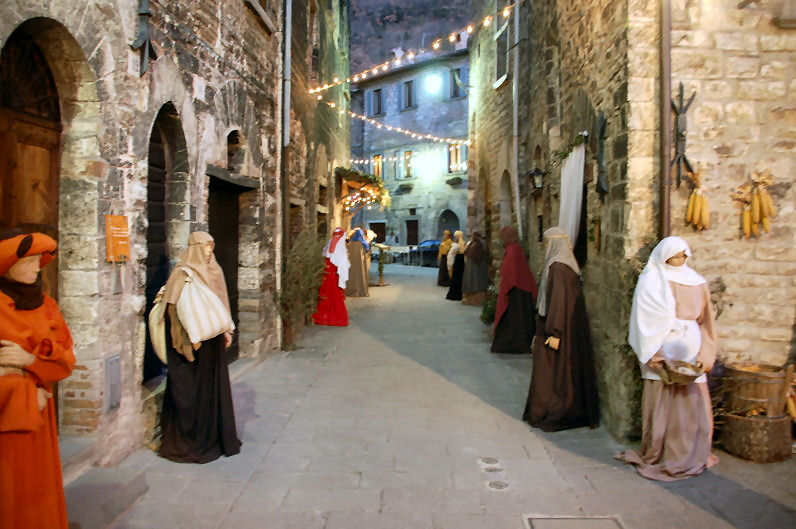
757	205
698	212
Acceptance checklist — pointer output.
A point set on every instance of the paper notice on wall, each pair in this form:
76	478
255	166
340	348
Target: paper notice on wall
117	238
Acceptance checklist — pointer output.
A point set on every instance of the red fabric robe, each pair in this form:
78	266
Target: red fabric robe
31	487
331	300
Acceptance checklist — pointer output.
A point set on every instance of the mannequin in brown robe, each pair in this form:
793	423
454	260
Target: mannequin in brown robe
563	391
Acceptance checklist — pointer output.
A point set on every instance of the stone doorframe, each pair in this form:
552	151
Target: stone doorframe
79	171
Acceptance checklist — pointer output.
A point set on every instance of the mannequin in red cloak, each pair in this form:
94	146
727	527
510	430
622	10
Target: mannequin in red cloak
331	297
35	353
515	316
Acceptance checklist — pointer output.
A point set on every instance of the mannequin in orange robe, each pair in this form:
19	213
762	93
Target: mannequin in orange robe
35	353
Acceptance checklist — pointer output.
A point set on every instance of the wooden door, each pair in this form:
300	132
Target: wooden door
29	180
411	232
380	229
157	259
224	210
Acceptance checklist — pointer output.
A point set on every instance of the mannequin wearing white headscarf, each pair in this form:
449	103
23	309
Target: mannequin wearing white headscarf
654	326
671	318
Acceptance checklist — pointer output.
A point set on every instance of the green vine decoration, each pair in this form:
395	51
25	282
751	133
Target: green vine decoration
559	156
369	180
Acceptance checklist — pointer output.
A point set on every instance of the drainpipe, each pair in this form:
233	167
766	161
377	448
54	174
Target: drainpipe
286	84
666	116
515	95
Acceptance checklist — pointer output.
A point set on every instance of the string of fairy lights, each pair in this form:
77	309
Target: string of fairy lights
401	130
436	44
365	196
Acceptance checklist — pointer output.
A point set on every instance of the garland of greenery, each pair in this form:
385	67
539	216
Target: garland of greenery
376	184
559	156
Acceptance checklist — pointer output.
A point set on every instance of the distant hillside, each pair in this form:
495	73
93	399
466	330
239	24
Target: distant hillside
378	26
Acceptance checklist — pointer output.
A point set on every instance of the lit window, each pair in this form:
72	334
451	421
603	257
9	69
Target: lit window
457	158
407	164
378	162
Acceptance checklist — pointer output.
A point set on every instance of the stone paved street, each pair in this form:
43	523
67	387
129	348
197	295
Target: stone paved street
403	419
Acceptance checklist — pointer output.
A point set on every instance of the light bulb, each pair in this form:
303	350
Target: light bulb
436	45
487	20
470	28
452	37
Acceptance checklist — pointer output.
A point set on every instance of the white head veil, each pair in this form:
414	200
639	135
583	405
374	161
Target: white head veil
337	252
559	250
652	315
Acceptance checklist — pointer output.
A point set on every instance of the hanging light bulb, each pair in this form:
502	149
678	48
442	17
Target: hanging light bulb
410	55
506	12
452	37
487	20
385	68
436	44
470	28
356	78
336	79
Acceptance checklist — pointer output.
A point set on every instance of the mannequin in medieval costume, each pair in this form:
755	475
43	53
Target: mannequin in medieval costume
198	419
456	266
443	277
331	296
35	353
475	279
672	319
515	318
358	257
563	391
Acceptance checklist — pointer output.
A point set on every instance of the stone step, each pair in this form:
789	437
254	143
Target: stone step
77	455
100	495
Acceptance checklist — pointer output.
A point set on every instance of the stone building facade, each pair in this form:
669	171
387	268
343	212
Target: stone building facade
427	178
584	64
180	136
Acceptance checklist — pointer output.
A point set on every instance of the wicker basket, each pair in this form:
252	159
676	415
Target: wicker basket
678	372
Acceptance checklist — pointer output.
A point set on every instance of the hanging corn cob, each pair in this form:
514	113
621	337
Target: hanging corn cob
698	211
757	206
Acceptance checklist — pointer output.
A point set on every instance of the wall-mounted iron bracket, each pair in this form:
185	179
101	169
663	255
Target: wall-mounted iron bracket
143	40
681	131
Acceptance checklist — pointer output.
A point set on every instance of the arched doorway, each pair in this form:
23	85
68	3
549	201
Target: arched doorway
167	212
30	136
448	220
506	204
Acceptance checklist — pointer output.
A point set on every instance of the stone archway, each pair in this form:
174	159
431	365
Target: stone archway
168	212
447	220
74	175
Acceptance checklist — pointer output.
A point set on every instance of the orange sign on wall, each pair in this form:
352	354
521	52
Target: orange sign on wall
117	237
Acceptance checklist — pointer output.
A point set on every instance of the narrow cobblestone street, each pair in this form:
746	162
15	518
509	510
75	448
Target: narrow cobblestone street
404	419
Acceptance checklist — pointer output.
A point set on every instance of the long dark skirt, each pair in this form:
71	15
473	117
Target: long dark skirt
443	278
455	290
563	391
198	420
517	326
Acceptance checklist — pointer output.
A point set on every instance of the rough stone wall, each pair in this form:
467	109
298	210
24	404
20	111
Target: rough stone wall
490	120
215	85
740	64
604	57
319	135
573	65
434	114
